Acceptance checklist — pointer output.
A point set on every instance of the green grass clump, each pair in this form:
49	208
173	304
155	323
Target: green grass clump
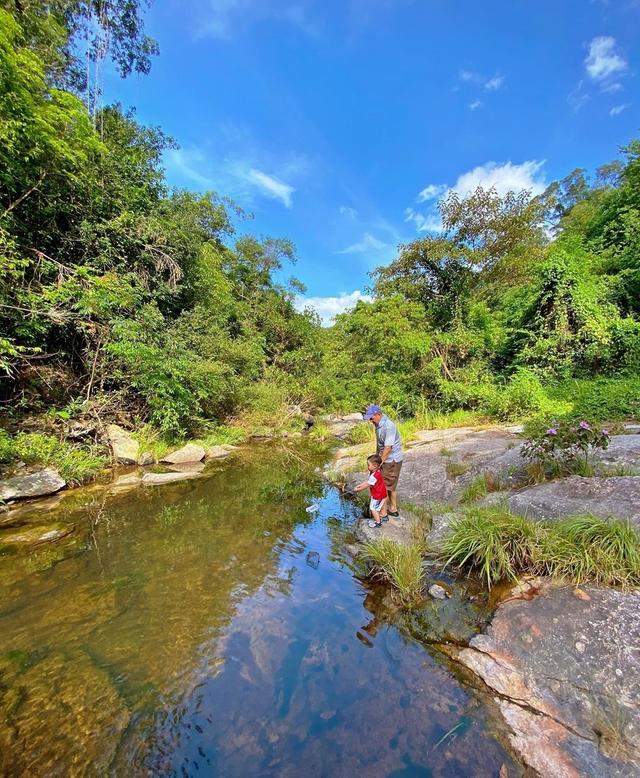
578	549
454	469
360	433
225	435
399	565
75	465
496	543
473	491
587	548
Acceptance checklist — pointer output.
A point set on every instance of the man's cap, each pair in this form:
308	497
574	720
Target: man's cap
371	411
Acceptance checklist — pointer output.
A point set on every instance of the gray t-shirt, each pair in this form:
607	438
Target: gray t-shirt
387	435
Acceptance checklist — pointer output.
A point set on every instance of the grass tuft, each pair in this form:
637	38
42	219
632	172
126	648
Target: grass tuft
399	565
75	464
579	549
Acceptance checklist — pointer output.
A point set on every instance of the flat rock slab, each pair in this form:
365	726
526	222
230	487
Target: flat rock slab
398	530
216	452
617	496
38	484
189	453
124	447
158	479
35	535
566	667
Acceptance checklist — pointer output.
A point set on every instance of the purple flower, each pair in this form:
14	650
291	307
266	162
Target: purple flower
552	431
584	425
605	432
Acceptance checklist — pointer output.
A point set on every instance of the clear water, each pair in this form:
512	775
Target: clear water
182	631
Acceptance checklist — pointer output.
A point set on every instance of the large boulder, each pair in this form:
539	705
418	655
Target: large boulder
617	496
189	453
38	484
124	447
566	669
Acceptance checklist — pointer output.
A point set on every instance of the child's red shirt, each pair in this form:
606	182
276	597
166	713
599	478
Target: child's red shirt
379	488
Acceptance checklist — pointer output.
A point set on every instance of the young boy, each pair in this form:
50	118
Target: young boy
378	491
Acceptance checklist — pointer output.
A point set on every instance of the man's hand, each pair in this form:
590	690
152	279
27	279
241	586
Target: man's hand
385	453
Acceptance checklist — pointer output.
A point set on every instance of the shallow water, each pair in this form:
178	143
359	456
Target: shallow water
182	631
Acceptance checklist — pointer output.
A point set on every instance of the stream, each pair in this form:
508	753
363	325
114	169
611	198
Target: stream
188	630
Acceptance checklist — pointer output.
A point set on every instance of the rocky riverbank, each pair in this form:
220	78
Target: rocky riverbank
561	663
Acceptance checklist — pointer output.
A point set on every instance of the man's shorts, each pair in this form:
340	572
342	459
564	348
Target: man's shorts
376	505
391	473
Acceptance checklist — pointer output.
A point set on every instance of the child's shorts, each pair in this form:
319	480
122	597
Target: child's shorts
376	505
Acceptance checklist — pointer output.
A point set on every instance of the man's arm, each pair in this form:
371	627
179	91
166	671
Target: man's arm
385	453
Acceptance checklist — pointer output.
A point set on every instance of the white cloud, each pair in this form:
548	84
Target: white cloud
328	308
368	243
578	97
475	105
493	84
347	210
425	222
503	178
490	84
616	86
272	187
185	162
618	109
430	192
602	60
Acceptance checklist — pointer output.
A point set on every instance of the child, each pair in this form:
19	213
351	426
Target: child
378	491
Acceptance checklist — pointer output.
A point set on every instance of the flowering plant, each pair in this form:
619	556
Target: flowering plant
566	445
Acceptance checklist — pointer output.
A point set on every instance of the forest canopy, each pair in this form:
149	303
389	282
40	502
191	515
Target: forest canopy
124	298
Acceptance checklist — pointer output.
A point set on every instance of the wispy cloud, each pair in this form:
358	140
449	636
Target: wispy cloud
475	105
618	109
578	98
234	176
222	18
272	187
488	83
603	59
430	192
348	211
328	308
368	243
425	222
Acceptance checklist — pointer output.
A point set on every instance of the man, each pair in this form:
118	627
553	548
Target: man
389	447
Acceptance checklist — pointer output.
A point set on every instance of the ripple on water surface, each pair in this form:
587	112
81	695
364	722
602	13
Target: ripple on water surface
188	633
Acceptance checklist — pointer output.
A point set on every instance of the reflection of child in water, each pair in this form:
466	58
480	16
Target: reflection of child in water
377	489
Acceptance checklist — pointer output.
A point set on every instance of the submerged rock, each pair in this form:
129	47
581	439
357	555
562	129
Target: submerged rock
438	592
34	535
38	484
124	447
189	453
157	479
567	670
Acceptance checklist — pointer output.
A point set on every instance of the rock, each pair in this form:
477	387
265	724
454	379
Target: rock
35	535
189	453
146	458
38	484
341	425
187	467
313	559
216	452
80	431
124	447
157	479
617	496
438	592
632	428
127	481
554	661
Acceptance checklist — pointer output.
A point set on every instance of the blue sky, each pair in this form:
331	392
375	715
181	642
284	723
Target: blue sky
339	124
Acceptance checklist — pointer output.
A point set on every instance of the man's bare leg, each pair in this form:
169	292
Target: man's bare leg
393	501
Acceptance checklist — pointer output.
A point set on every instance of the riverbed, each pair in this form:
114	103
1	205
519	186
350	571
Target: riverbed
215	627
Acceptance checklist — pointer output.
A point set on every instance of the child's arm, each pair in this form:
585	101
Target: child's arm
361	487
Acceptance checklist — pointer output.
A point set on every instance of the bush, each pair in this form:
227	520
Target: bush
601	399
399	565
7	449
578	549
491	541
565	447
75	465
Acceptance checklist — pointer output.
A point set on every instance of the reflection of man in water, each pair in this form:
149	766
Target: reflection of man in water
389	447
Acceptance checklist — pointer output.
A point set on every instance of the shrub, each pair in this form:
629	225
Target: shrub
578	549
399	565
586	548
478	488
75	465
565	446
522	396
7	449
602	399
491	541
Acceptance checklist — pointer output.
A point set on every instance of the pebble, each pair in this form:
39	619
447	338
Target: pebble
438	592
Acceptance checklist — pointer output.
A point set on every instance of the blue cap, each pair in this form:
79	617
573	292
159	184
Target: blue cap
371	410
